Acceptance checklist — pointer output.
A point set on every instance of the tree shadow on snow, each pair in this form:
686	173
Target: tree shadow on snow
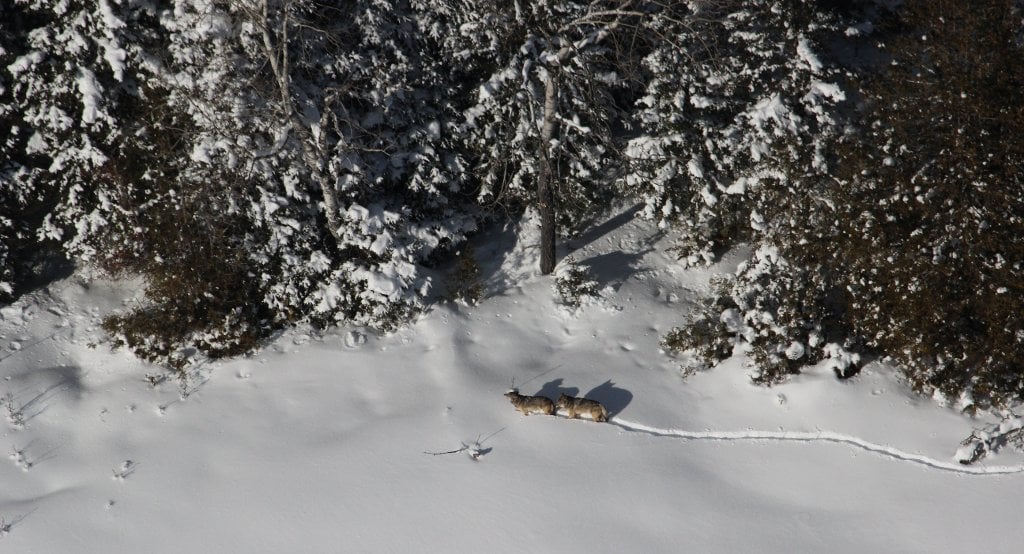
66	377
553	389
593	233
616	266
30	402
613	398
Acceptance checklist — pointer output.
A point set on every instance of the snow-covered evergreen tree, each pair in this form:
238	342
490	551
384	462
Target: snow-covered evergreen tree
365	128
929	217
909	247
15	190
70	90
546	119
259	162
743	103
741	98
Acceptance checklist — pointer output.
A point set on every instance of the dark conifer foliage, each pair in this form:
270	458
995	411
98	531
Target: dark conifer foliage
261	163
910	246
930	216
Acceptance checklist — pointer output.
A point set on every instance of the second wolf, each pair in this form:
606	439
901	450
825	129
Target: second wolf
576	406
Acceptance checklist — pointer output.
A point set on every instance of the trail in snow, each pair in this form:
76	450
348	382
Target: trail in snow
817	436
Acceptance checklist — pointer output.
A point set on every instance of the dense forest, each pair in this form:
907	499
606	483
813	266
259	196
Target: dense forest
265	163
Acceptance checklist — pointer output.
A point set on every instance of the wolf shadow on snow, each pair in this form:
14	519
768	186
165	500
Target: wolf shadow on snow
613	398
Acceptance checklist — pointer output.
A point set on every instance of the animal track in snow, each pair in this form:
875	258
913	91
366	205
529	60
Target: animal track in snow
18	455
817	436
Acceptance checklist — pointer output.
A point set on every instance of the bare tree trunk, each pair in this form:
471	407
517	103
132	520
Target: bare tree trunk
545	172
545	175
312	149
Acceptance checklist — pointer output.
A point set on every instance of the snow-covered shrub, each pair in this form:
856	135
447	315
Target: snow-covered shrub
1008	432
200	290
15	411
574	284
706	337
779	313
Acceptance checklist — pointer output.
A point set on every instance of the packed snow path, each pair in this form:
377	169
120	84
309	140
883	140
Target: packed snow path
816	436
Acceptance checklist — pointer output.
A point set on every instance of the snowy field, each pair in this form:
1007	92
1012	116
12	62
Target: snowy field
337	441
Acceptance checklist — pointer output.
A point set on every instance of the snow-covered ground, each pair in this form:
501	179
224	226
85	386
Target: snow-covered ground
336	441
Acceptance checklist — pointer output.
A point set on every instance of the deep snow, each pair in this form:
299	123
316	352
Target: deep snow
323	442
